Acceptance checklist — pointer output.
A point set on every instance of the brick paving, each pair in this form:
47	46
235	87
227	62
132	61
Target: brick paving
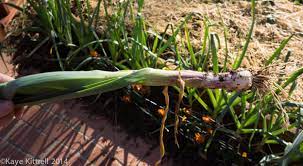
45	133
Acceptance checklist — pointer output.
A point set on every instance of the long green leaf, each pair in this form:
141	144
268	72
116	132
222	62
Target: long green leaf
240	58
278	50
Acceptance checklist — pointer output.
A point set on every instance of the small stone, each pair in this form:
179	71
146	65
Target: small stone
271	19
268	3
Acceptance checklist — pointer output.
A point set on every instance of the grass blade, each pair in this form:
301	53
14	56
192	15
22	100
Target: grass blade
190	48
240	58
278	50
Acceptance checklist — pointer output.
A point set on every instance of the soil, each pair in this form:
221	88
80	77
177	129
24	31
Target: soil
276	20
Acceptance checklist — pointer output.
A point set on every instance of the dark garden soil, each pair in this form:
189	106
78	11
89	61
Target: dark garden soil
137	109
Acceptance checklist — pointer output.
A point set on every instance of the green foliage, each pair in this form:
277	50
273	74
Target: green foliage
136	46
298	2
292	152
60	26
240	58
278	50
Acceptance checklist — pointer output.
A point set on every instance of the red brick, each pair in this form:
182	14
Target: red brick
65	156
28	138
76	137
35	143
9	151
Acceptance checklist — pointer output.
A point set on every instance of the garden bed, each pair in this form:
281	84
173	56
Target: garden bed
216	127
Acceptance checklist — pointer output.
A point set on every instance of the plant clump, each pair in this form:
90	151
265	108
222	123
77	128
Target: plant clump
211	108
